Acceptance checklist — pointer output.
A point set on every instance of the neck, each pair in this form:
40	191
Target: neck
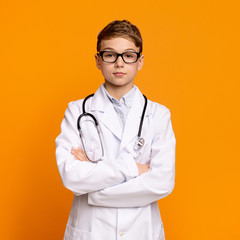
118	91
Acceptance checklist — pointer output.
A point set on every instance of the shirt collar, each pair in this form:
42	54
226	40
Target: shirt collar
126	99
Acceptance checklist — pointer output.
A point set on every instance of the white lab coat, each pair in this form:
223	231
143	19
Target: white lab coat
111	202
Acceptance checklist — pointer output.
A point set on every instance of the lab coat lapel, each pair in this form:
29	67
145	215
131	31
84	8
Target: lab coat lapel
133	119
104	111
111	121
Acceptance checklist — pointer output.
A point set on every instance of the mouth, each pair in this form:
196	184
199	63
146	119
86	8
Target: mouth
119	74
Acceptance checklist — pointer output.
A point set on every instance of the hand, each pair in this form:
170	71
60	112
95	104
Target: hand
142	168
79	154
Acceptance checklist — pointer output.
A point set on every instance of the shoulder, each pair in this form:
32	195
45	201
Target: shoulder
74	108
76	104
161	119
158	110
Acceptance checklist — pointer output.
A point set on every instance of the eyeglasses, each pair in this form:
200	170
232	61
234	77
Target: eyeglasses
127	57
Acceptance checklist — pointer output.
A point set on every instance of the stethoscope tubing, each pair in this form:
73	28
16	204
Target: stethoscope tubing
142	117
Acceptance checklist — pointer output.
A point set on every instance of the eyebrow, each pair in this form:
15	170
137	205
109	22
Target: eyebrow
126	50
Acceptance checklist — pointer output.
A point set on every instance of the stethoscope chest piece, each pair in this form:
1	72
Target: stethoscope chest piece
139	143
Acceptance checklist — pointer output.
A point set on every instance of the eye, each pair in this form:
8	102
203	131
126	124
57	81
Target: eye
130	55
109	55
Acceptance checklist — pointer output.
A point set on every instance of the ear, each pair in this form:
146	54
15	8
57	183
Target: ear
98	61
140	62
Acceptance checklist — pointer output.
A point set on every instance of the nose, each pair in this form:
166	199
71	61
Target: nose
119	62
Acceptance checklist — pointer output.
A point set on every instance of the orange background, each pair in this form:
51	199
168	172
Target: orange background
191	66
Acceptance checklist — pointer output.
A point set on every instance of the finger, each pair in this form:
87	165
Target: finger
76	157
73	151
76	153
80	154
83	155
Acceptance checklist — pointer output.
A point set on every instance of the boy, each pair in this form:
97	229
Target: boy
116	198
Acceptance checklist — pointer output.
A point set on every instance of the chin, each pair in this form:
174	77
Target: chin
120	82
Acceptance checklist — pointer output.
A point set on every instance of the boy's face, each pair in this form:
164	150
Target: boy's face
119	73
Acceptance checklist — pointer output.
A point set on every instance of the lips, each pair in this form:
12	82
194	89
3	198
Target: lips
119	74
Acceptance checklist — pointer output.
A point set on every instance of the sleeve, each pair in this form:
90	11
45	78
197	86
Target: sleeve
151	186
84	177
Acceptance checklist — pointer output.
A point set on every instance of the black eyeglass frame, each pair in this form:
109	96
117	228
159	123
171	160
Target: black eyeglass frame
121	55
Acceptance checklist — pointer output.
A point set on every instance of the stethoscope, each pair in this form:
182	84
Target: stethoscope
138	144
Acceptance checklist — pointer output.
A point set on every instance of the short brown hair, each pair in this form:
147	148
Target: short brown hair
120	29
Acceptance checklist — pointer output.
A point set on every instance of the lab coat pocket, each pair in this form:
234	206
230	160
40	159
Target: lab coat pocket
72	233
